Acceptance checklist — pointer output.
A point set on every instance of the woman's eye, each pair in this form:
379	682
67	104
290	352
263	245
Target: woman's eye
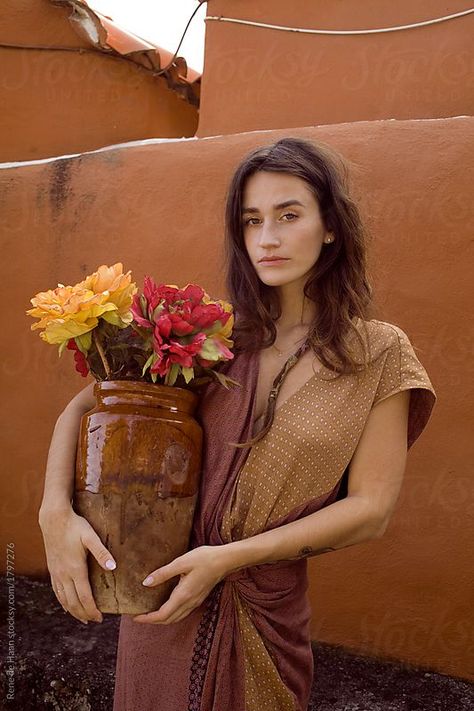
249	220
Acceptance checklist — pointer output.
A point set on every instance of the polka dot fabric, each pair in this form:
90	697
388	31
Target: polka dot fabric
315	432
263	686
247	647
402	370
312	440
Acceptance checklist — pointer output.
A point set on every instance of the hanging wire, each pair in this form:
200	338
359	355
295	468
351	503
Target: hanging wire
339	32
94	49
201	3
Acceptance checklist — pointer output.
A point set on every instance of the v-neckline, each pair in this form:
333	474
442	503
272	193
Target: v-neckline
293	395
277	409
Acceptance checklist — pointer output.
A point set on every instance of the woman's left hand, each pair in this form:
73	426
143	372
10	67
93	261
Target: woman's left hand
200	570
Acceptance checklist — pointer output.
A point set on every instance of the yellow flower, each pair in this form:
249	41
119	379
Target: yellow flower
120	290
226	330
223	334
74	311
67	312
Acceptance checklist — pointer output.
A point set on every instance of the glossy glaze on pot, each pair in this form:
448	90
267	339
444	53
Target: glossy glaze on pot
137	479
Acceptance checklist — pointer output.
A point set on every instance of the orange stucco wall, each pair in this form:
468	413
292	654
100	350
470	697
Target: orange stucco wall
57	102
158	208
256	78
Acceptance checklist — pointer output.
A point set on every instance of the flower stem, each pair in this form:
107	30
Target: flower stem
100	351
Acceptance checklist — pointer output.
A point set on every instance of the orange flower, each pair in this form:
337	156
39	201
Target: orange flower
222	335
74	311
120	292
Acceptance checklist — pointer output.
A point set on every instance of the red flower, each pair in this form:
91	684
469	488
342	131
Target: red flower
180	323
205	315
151	293
169	294
137	311
183	354
163	327
194	293
175	352
80	361
181	326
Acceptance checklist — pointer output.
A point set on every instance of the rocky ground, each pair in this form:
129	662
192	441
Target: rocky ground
64	665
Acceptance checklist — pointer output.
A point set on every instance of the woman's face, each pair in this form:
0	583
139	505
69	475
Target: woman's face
292	231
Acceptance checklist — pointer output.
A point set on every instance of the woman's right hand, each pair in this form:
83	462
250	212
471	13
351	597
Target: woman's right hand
67	539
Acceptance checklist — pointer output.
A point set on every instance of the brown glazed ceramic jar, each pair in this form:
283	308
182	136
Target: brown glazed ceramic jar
137	477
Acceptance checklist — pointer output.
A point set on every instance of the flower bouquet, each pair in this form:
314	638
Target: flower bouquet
139	451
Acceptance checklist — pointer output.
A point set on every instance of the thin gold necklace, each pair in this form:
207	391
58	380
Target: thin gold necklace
282	353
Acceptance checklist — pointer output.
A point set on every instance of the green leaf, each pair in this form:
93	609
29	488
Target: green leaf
188	373
223	379
157	311
144	305
147	365
84	342
112	317
209	350
172	374
214	329
62	347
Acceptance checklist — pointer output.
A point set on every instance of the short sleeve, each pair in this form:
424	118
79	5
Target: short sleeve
402	370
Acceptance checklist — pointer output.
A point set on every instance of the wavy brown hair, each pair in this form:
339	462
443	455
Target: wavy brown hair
338	281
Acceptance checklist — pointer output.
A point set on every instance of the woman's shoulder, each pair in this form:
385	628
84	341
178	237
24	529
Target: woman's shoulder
381	336
383	330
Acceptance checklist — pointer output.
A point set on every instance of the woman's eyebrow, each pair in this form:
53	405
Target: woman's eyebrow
279	206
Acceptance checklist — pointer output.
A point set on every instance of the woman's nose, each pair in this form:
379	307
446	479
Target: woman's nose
268	236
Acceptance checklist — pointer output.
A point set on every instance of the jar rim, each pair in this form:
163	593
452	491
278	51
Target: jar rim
138	386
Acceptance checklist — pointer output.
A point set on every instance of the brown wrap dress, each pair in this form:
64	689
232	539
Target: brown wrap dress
247	647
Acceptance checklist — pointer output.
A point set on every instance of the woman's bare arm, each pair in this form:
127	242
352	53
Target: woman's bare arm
375	478
67	536
58	485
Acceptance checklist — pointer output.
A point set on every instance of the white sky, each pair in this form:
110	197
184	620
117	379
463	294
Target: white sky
161	22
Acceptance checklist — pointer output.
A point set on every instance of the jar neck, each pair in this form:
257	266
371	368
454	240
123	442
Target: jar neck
142	394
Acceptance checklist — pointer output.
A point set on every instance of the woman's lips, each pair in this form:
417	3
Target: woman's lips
271	262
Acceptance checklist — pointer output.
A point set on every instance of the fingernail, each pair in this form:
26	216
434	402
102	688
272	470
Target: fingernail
85	622
111	565
148	581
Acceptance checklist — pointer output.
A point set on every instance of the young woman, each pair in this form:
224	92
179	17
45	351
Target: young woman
306	457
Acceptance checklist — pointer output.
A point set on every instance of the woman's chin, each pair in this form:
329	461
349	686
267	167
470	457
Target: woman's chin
280	279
